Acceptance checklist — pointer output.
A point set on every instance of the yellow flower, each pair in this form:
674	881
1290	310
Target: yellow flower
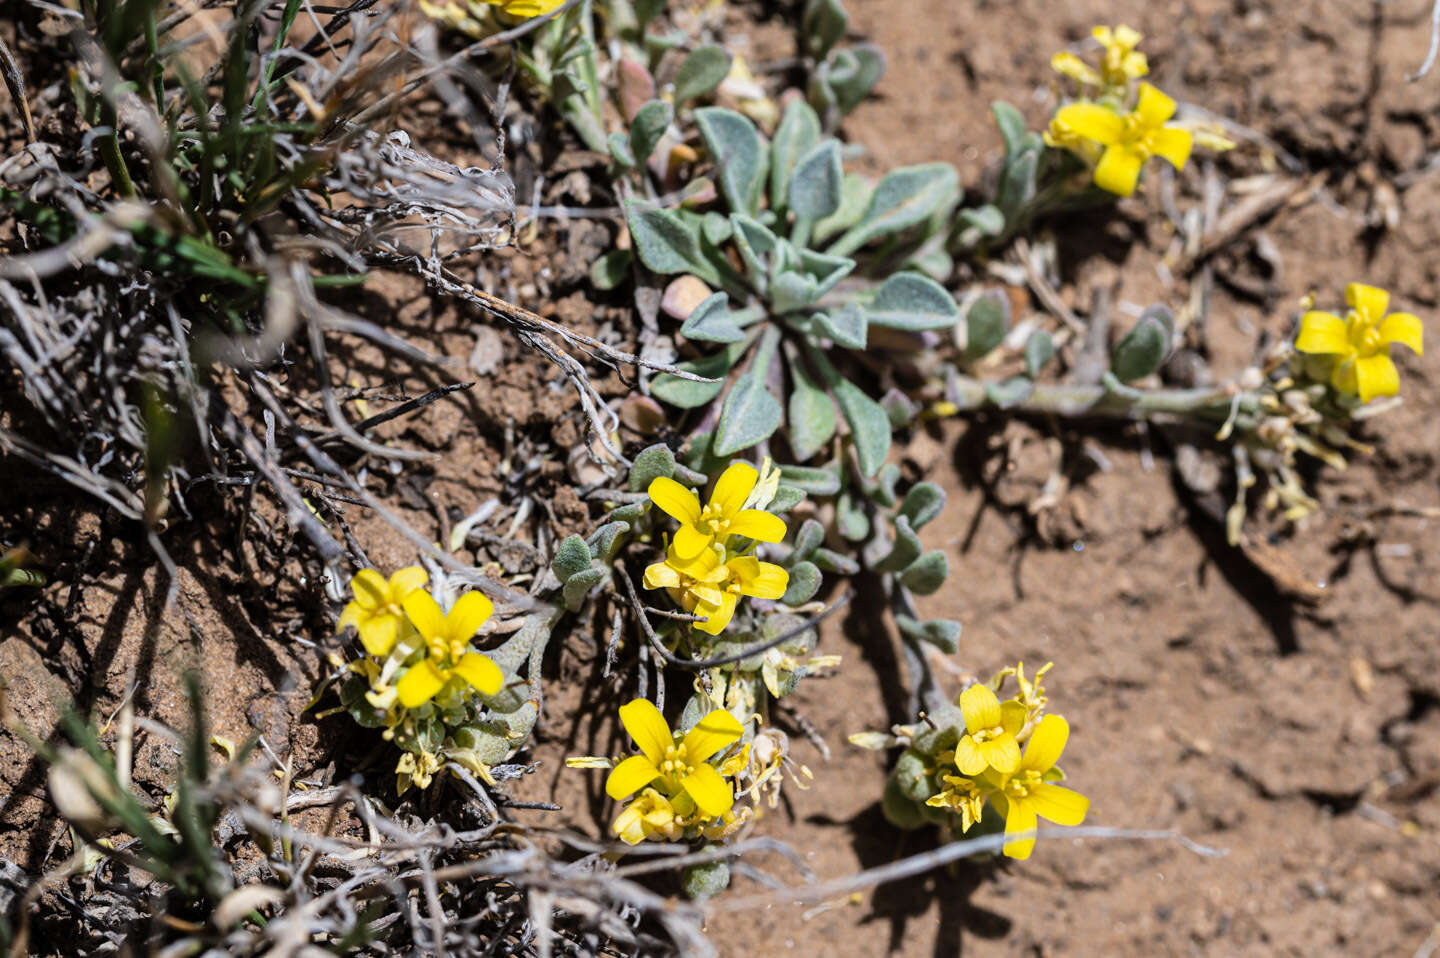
1068	64
447	648
376	610
650	814
1361	342
678	765
526	9
1028	794
1121	62
725	516
963	796
1129	140
991	728
711	588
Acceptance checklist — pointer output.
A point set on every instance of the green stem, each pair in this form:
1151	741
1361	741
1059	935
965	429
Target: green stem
1207	404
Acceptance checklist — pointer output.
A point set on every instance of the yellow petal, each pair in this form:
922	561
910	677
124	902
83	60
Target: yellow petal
1091	121
717	617
763	580
690	542
1118	170
1405	329
1013	716
630	776
661	575
1059	805
481	672
1020	820
371	590
711	793
353	614
1001	753
648	728
630	825
1370	302
734	487
424	613
1046	743
378	633
407	580
1154	107
1127	37
712	733
419	685
1068	64
980	707
1376	376
706	594
1322	333
757	525
968	757
1172	144
470	611
675	500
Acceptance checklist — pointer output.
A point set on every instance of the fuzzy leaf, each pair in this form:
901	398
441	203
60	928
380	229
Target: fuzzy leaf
757	246
822	25
712	322
804	583
922	503
602	540
905	550
985	324
798	132
1039	350
851	74
855	192
827	270
578	586
620	150
808	539
926	574
688	394
941	633
1017	183
982	222
701	72
821	481
790	292
815	184
850	518
1010	392
571	556
1141	351
835	563
812	415
668	243
716	228
612	269
914	302
869	426
750	415
739	153
847	326
785	499
1011	124
649	125
904	198
653	463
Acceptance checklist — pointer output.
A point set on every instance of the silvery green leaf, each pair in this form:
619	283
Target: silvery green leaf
869	426
902	199
905	550
926	574
578	586
932	260
835	563
612	269
757	246
790	292
855	191
1017	183
882	490
1141	351
941	633
653	463
985	325
702	71
850	519
739	154
649	126
602	540
821	481
716	228
899	407
812	415
688	394
1039	350
852	73
750	415
1010	392
712	322
987	220
808	539
847	326
914	302
799	130
804	583
785	499
668	243
827	270
620	150
922	503
1011	124
822	25
630	513
815	184
572	555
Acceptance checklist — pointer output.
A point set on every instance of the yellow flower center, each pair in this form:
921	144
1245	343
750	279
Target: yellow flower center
986	734
1022	783
1364	334
1136	135
713	520
676	764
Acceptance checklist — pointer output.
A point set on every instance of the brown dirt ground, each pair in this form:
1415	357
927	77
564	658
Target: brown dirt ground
1303	740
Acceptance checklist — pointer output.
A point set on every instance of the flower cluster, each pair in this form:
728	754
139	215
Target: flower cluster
708	566
984	752
682	794
1358	346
